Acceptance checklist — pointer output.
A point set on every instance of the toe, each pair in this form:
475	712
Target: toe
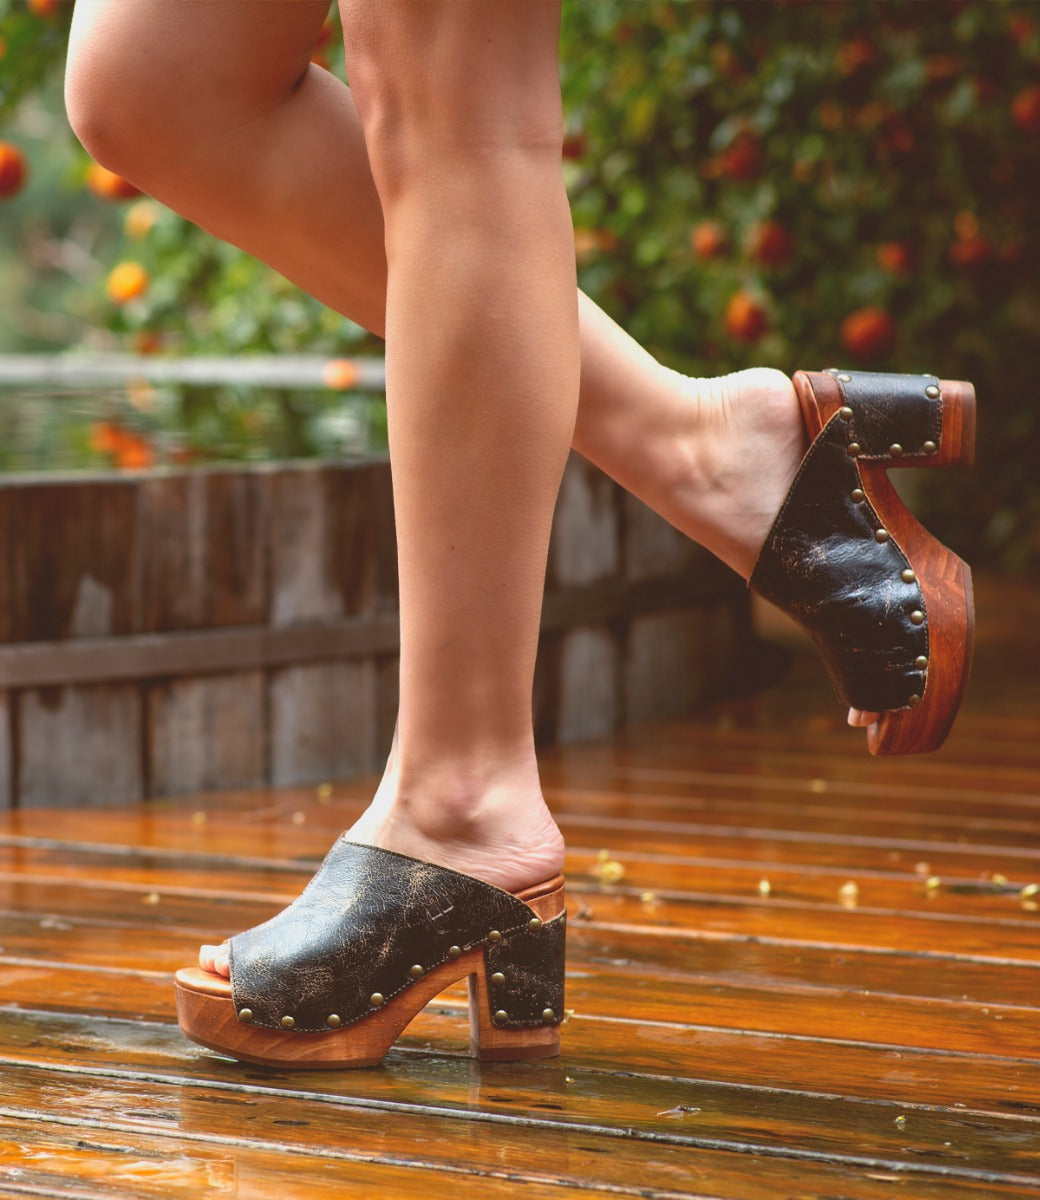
858	717
215	959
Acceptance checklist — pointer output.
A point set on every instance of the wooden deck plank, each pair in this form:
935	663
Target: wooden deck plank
666	1055
677	878
806	1012
644	953
94	1161
644	1105
542	1149
219	912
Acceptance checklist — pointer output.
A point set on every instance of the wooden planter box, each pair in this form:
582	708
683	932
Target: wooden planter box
174	632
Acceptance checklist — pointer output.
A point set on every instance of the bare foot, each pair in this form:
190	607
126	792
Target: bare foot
745	442
507	837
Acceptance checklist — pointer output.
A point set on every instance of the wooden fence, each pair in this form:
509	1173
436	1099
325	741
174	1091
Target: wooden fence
180	631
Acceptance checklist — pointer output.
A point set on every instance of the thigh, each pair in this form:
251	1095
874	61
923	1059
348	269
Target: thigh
219	60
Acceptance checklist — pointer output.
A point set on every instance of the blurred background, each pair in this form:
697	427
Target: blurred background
789	183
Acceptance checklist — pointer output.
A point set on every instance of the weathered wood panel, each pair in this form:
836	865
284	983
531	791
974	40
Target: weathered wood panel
207	733
202	550
171	583
80	747
6	765
323	721
590	703
73	559
321	544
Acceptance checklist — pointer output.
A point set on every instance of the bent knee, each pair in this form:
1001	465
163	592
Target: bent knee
107	104
143	90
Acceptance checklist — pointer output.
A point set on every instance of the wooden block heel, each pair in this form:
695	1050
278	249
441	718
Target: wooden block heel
890	607
334	979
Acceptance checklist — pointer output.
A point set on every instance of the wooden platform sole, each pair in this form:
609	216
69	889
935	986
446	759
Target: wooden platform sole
206	1014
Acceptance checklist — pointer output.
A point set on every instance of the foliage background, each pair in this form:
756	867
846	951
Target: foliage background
818	157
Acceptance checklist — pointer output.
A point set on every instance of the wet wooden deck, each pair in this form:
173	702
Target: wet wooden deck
817	976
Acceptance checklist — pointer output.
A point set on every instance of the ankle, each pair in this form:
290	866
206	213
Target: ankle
734	460
458	802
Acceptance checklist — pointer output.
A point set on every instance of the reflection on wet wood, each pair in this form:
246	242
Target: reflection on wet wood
791	972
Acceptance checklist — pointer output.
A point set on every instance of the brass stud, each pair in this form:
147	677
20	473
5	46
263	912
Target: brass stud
287	1023
548	1014
881	535
914	701
334	1021
501	1017
845	413
921	662
376	1000
454	951
929	447
534	924
858	495
417	971
917	617
932	392
498	978
907	575
245	1015
494	936
845	378
895	450
855	449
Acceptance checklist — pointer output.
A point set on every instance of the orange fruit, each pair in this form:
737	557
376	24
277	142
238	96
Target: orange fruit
43	8
868	332
108	185
895	257
574	146
340	374
708	239
1025	109
770	243
140	219
743	158
13	170
970	251
854	54
745	317
126	281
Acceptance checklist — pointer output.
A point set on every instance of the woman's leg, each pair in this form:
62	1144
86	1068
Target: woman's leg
266	151
460	108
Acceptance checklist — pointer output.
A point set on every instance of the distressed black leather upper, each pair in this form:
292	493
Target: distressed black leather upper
890	410
822	564
366	918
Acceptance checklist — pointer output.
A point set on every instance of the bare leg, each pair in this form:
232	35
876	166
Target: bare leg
267	151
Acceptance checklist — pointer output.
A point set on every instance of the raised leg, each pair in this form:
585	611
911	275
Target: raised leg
267	151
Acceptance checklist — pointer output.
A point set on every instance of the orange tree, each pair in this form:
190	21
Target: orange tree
788	182
812	184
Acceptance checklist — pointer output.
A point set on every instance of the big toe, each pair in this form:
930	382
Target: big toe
215	959
858	717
